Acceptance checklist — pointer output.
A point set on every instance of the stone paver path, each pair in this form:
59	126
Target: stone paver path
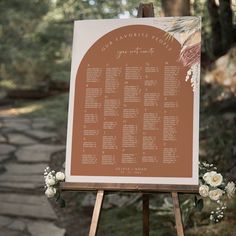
24	210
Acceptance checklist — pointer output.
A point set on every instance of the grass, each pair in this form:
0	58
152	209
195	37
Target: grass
128	221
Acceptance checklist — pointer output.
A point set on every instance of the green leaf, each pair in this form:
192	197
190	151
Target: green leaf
62	202
58	195
199	204
195	200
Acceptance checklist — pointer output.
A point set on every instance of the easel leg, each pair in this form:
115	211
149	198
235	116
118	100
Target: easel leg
145	215
96	213
145	10
178	218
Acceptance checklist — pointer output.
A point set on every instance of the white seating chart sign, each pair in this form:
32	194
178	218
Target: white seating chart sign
134	101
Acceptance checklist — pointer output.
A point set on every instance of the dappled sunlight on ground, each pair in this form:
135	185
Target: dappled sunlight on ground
20	110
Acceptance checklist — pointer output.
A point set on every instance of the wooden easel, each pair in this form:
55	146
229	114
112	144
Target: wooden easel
144	188
144	10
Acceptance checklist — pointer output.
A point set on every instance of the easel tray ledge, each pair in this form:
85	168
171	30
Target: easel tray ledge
72	186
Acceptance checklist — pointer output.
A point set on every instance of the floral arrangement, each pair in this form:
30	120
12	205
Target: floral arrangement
213	186
52	183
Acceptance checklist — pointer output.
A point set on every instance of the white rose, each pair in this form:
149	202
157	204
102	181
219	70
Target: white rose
215	194
50	192
215	180
230	189
50	181
204	190
208	175
60	176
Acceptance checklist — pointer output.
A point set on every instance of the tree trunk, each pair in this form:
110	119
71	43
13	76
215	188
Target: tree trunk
226	21
176	7
216	40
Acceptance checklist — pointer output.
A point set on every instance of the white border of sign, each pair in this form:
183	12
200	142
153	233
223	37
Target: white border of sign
86	33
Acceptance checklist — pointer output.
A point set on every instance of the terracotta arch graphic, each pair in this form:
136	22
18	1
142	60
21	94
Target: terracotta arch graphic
133	110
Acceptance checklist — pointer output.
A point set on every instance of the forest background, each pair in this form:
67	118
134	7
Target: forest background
35	58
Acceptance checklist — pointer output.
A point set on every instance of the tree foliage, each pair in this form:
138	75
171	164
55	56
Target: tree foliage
19	23
36	35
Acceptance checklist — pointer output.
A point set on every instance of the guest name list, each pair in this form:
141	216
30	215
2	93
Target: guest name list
133	110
